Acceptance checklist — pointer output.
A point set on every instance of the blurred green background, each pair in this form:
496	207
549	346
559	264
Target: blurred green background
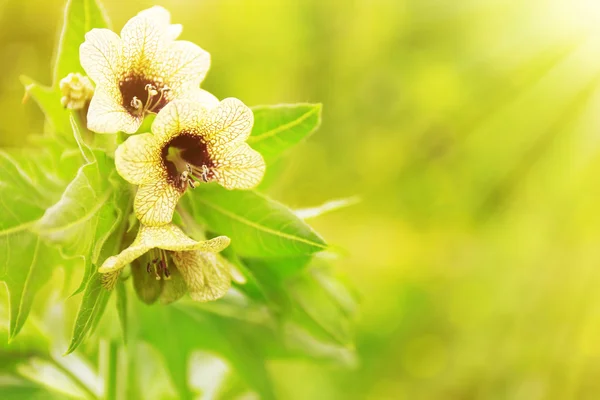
471	131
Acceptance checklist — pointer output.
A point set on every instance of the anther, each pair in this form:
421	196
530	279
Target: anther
136	103
200	173
163	269
183	179
204	173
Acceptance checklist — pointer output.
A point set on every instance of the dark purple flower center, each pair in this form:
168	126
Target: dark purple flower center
141	94
186	159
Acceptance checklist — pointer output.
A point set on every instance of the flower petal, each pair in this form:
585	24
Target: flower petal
208	100
174	30
182	65
115	263
109	280
155	202
173	288
229	122
170	237
178	116
106	115
143	37
158	14
206	276
147	287
166	237
100	56
237	166
138	159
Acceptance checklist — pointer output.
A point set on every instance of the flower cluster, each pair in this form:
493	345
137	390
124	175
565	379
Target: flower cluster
195	138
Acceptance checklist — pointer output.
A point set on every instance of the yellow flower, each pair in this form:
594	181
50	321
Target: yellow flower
140	71
189	144
184	264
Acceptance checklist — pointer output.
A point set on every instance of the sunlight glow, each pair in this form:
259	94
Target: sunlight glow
579	15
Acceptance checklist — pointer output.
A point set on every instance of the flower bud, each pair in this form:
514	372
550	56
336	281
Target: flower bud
77	91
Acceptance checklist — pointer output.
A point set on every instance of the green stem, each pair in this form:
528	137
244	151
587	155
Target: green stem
111	372
89	393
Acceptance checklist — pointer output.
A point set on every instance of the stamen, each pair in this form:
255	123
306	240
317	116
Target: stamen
164	265
136	104
153	99
152	92
157	271
162	93
183	179
200	173
191	174
151	264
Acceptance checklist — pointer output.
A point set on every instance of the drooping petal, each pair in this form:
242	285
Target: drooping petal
155	202
237	166
173	288
101	55
170	237
206	276
143	37
182	65
107	115
229	122
147	287
138	159
110	279
119	261
176	117
166	237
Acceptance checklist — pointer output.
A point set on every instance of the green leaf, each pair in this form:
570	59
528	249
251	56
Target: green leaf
83	218
185	327
86	152
275	271
48	100
31	342
51	165
95	296
315	300
80	17
257	225
18	390
72	221
34	262
278	128
250	286
26	263
316	304
91	309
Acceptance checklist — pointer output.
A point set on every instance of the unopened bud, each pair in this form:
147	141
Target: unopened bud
76	91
